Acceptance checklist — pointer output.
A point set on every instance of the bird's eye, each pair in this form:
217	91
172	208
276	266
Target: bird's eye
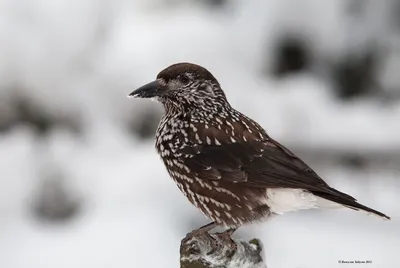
184	79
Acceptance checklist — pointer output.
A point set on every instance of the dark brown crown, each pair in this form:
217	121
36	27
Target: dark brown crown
173	71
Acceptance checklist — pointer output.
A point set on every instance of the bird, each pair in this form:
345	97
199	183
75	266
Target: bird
224	162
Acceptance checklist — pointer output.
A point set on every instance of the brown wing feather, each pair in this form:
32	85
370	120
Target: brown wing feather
250	156
255	159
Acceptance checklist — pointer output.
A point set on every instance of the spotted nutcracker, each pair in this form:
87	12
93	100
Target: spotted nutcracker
223	161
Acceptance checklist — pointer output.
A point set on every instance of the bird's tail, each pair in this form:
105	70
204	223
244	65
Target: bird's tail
349	202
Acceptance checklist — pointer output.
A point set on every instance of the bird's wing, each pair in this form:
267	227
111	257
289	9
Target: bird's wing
252	158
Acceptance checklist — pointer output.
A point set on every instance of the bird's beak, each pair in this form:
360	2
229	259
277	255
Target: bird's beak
149	90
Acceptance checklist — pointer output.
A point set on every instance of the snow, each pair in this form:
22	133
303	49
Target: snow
84	57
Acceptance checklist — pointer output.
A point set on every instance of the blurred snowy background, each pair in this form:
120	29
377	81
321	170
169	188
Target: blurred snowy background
80	182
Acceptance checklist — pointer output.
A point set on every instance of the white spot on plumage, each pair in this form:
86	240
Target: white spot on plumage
228	207
233	140
186	169
168	137
165	153
209	212
235	220
229	215
217	142
196	136
180	186
217	203
208	186
200	181
225	191
193	128
208	140
191	193
185	178
203	198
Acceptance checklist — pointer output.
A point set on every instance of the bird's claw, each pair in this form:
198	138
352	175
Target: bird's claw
226	239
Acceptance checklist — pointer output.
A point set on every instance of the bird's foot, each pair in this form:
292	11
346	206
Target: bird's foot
226	239
190	235
202	230
217	240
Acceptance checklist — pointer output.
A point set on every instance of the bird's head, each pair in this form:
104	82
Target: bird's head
184	86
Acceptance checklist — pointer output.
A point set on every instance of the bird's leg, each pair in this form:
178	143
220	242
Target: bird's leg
226	236
229	232
219	240
203	229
